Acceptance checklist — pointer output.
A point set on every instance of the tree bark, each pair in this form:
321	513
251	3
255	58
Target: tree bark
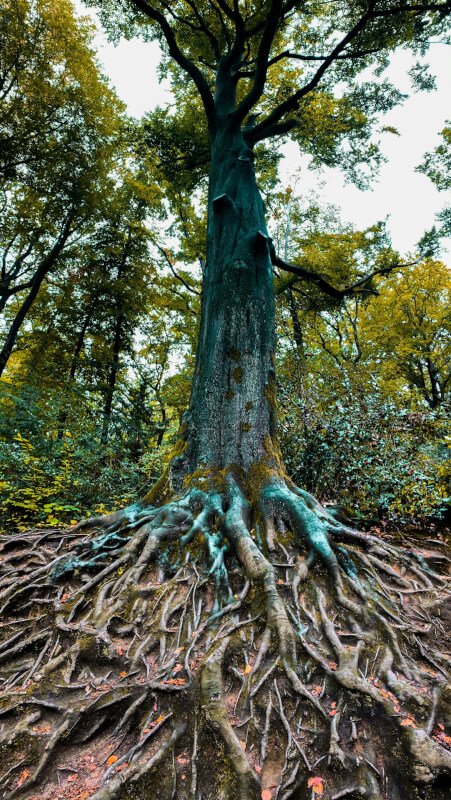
231	419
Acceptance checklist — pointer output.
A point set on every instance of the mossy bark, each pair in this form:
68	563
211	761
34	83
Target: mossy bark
231	413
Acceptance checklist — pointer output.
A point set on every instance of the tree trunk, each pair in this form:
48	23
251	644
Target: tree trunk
44	268
231	419
74	362
117	344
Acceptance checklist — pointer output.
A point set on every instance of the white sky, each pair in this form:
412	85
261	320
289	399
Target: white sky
407	198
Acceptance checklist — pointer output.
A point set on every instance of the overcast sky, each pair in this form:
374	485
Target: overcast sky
407	198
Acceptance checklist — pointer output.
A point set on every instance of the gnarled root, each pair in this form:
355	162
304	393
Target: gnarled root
314	661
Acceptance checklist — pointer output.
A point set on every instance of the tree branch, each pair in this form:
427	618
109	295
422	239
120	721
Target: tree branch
205	28
185	63
444	8
341	57
292	103
256	90
310	275
279	129
173	270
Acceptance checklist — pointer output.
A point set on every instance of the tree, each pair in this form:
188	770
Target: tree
60	131
203	573
436	166
373	436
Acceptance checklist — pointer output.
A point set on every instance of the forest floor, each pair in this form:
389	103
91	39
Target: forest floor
148	678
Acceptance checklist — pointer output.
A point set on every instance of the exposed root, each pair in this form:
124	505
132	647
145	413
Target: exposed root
144	638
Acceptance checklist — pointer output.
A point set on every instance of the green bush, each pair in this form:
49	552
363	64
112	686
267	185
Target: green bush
376	460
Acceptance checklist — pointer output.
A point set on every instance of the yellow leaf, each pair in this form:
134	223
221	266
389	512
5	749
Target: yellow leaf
112	760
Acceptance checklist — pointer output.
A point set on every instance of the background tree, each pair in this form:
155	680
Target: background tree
59	135
437	166
202	574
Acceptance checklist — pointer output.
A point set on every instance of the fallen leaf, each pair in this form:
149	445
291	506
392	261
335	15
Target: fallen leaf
23	777
243	744
247	669
258	769
112	760
333	712
408	723
72	778
122	674
177	668
316	783
266	794
122	766
316	690
160	718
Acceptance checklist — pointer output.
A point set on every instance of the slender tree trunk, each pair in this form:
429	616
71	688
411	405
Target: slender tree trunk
117	345
231	418
436	390
112	376
44	268
163	422
74	362
300	360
